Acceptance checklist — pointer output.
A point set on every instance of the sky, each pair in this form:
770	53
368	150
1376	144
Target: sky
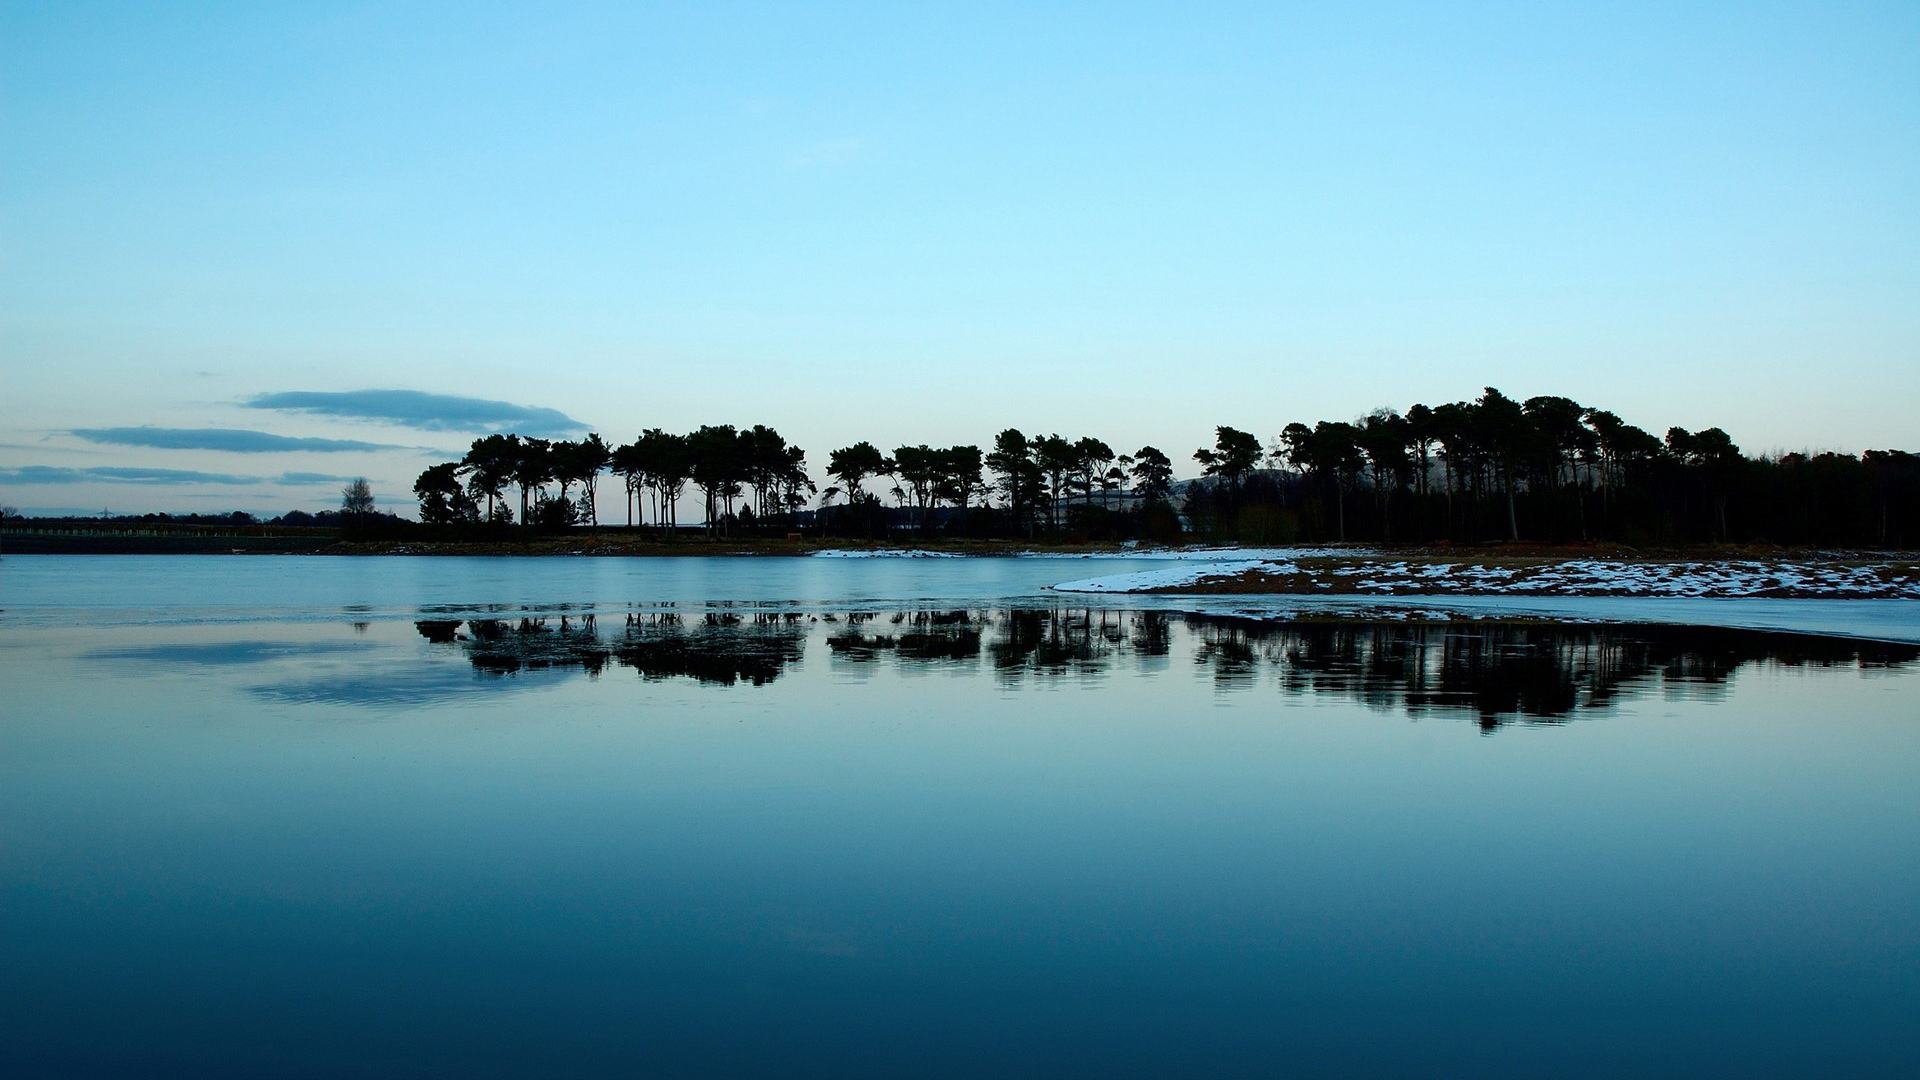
250	250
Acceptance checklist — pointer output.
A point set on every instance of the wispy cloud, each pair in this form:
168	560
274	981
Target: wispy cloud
304	478
54	474
232	440
108	474
428	412
42	447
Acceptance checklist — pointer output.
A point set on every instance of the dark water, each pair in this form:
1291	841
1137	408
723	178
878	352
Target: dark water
954	840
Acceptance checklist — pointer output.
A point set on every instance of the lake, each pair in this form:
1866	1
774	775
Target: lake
676	817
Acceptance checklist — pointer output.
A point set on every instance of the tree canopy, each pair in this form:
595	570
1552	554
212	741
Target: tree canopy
1485	468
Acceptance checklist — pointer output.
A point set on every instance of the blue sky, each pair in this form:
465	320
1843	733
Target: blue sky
927	222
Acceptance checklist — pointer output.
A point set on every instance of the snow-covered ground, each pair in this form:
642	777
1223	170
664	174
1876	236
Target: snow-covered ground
1574	577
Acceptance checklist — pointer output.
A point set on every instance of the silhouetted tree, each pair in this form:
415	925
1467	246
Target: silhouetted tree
921	468
627	462
666	463
356	499
489	466
1894	481
1382	438
853	465
1558	443
1420	439
766	464
1233	455
792	485
1152	473
1502	432
1057	460
1324	453
1712	456
960	475
1018	477
443	500
1092	460
532	470
719	468
589	459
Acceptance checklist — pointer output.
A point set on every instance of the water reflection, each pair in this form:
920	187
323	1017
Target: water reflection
916	637
1492	671
1498	671
720	648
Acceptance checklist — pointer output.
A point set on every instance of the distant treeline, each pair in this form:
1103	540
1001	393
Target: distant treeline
236	522
1544	469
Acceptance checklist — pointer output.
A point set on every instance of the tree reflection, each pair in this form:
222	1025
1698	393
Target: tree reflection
915	637
718	648
1494	672
1500	671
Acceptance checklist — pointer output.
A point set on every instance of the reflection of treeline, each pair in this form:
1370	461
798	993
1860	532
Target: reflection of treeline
719	648
1542	672
1546	468
916	637
1493	671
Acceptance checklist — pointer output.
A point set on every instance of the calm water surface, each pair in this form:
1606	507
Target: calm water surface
485	825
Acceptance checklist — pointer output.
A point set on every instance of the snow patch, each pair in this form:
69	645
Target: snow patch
1573	577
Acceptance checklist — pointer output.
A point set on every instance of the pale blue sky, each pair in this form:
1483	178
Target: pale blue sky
915	222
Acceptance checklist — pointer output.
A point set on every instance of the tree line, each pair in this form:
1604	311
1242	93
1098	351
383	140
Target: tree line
1547	468
752	473
753	478
1488	468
